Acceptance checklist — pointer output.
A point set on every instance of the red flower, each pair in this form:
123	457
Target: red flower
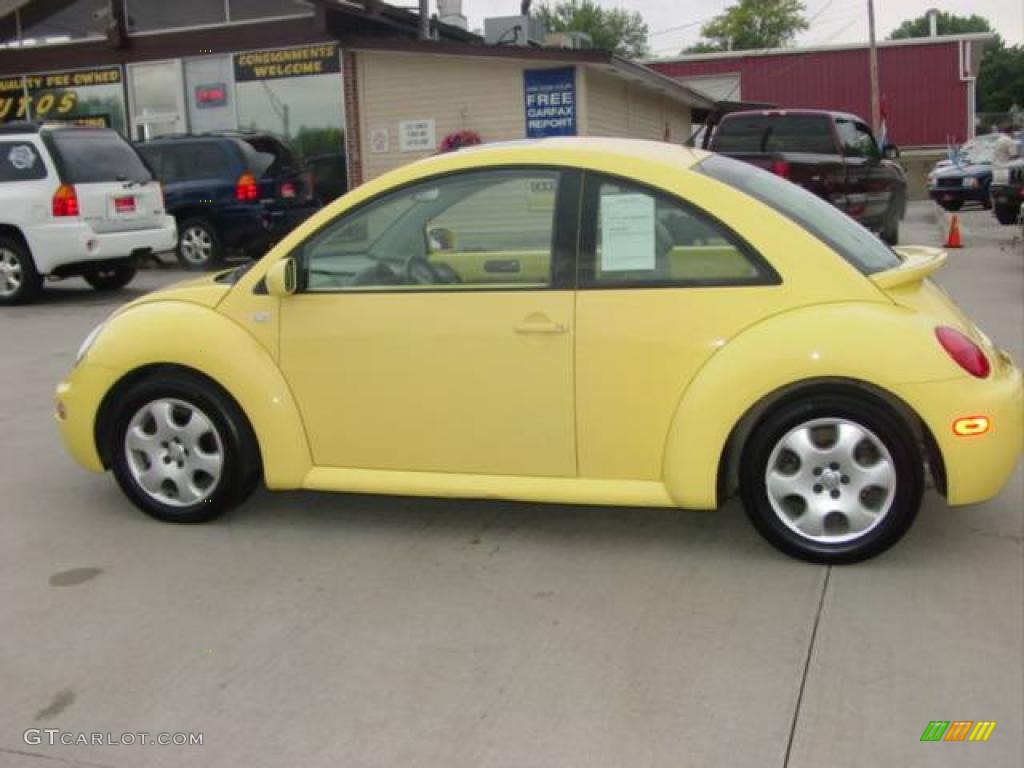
459	139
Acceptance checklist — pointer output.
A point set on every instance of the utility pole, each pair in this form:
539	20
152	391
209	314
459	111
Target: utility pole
876	110
424	19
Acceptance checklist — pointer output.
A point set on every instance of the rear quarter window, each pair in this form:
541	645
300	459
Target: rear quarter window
93	156
757	134
20	161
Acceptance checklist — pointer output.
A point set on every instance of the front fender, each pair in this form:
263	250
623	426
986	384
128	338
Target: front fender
878	343
194	336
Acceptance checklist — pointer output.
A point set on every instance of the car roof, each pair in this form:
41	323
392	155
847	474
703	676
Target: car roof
797	112
553	150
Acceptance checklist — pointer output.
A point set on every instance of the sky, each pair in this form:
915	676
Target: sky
675	24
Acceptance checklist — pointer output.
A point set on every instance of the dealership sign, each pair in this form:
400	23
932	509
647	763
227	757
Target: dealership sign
50	94
287	62
550	102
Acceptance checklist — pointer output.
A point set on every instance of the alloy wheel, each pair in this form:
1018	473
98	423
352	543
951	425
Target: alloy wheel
830	480
174	452
196	245
11	275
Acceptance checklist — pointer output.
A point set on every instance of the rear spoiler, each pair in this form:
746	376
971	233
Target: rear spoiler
918	262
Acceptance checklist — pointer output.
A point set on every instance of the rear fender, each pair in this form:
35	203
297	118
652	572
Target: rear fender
880	344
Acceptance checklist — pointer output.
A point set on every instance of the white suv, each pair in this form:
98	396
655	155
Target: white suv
74	202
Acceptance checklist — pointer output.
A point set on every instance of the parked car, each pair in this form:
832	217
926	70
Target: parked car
330	176
74	202
606	321
963	179
832	154
1008	192
229	191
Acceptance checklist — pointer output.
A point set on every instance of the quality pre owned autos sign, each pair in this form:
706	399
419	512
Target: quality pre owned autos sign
287	62
49	95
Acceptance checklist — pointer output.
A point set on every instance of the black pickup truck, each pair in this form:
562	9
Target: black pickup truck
832	154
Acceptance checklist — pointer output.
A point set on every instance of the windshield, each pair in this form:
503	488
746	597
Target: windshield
845	236
91	156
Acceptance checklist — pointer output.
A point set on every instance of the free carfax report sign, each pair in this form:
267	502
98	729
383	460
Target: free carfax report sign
550	102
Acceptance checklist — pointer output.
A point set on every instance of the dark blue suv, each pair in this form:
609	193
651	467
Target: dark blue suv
230	191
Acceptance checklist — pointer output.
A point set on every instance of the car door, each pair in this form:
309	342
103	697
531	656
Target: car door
880	178
857	170
433	328
662	285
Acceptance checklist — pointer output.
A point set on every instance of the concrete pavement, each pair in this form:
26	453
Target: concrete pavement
325	630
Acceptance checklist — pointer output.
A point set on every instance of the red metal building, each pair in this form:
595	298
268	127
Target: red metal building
927	84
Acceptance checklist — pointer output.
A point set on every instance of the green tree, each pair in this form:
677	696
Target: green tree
1001	75
752	24
946	24
611	29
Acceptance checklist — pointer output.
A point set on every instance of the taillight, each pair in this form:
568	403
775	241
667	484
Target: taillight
65	201
780	168
246	188
964	352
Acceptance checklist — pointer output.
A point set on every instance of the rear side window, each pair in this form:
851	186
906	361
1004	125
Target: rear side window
775	133
90	156
845	236
188	161
20	161
640	238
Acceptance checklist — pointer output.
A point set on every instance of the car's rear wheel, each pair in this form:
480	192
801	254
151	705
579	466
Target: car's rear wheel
20	283
181	450
198	245
110	278
831	478
1007	214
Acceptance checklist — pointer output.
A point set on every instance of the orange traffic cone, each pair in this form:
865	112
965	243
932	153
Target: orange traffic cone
954	241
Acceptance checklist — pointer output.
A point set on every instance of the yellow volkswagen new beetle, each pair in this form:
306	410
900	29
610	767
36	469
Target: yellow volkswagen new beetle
569	320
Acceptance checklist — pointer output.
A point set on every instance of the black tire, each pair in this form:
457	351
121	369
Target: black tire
199	247
952	205
111	278
1007	214
20	283
232	439
890	523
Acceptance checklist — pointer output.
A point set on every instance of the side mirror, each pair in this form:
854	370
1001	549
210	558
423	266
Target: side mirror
280	278
891	152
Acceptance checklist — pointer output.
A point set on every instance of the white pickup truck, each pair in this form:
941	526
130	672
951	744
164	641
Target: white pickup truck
74	201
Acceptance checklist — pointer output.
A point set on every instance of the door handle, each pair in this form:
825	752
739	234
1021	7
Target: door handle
539	324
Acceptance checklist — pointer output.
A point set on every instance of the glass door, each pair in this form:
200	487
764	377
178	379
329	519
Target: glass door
157	97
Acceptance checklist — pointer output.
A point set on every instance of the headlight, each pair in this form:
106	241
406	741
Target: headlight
89	340
970	182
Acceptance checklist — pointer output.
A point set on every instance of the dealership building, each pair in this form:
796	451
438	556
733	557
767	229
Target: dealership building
359	78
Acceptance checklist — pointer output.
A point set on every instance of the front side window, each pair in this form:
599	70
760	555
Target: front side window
856	139
845	236
642	238
483	229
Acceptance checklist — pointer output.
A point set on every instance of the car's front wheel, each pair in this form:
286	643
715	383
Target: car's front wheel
181	450
110	278
831	478
198	245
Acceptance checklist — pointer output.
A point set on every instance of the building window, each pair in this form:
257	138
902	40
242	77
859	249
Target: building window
78	19
82	96
245	10
155	15
295	93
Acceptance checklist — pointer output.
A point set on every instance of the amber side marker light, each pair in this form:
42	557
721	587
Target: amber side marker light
971	425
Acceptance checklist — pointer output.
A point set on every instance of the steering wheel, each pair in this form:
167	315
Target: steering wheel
419	271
